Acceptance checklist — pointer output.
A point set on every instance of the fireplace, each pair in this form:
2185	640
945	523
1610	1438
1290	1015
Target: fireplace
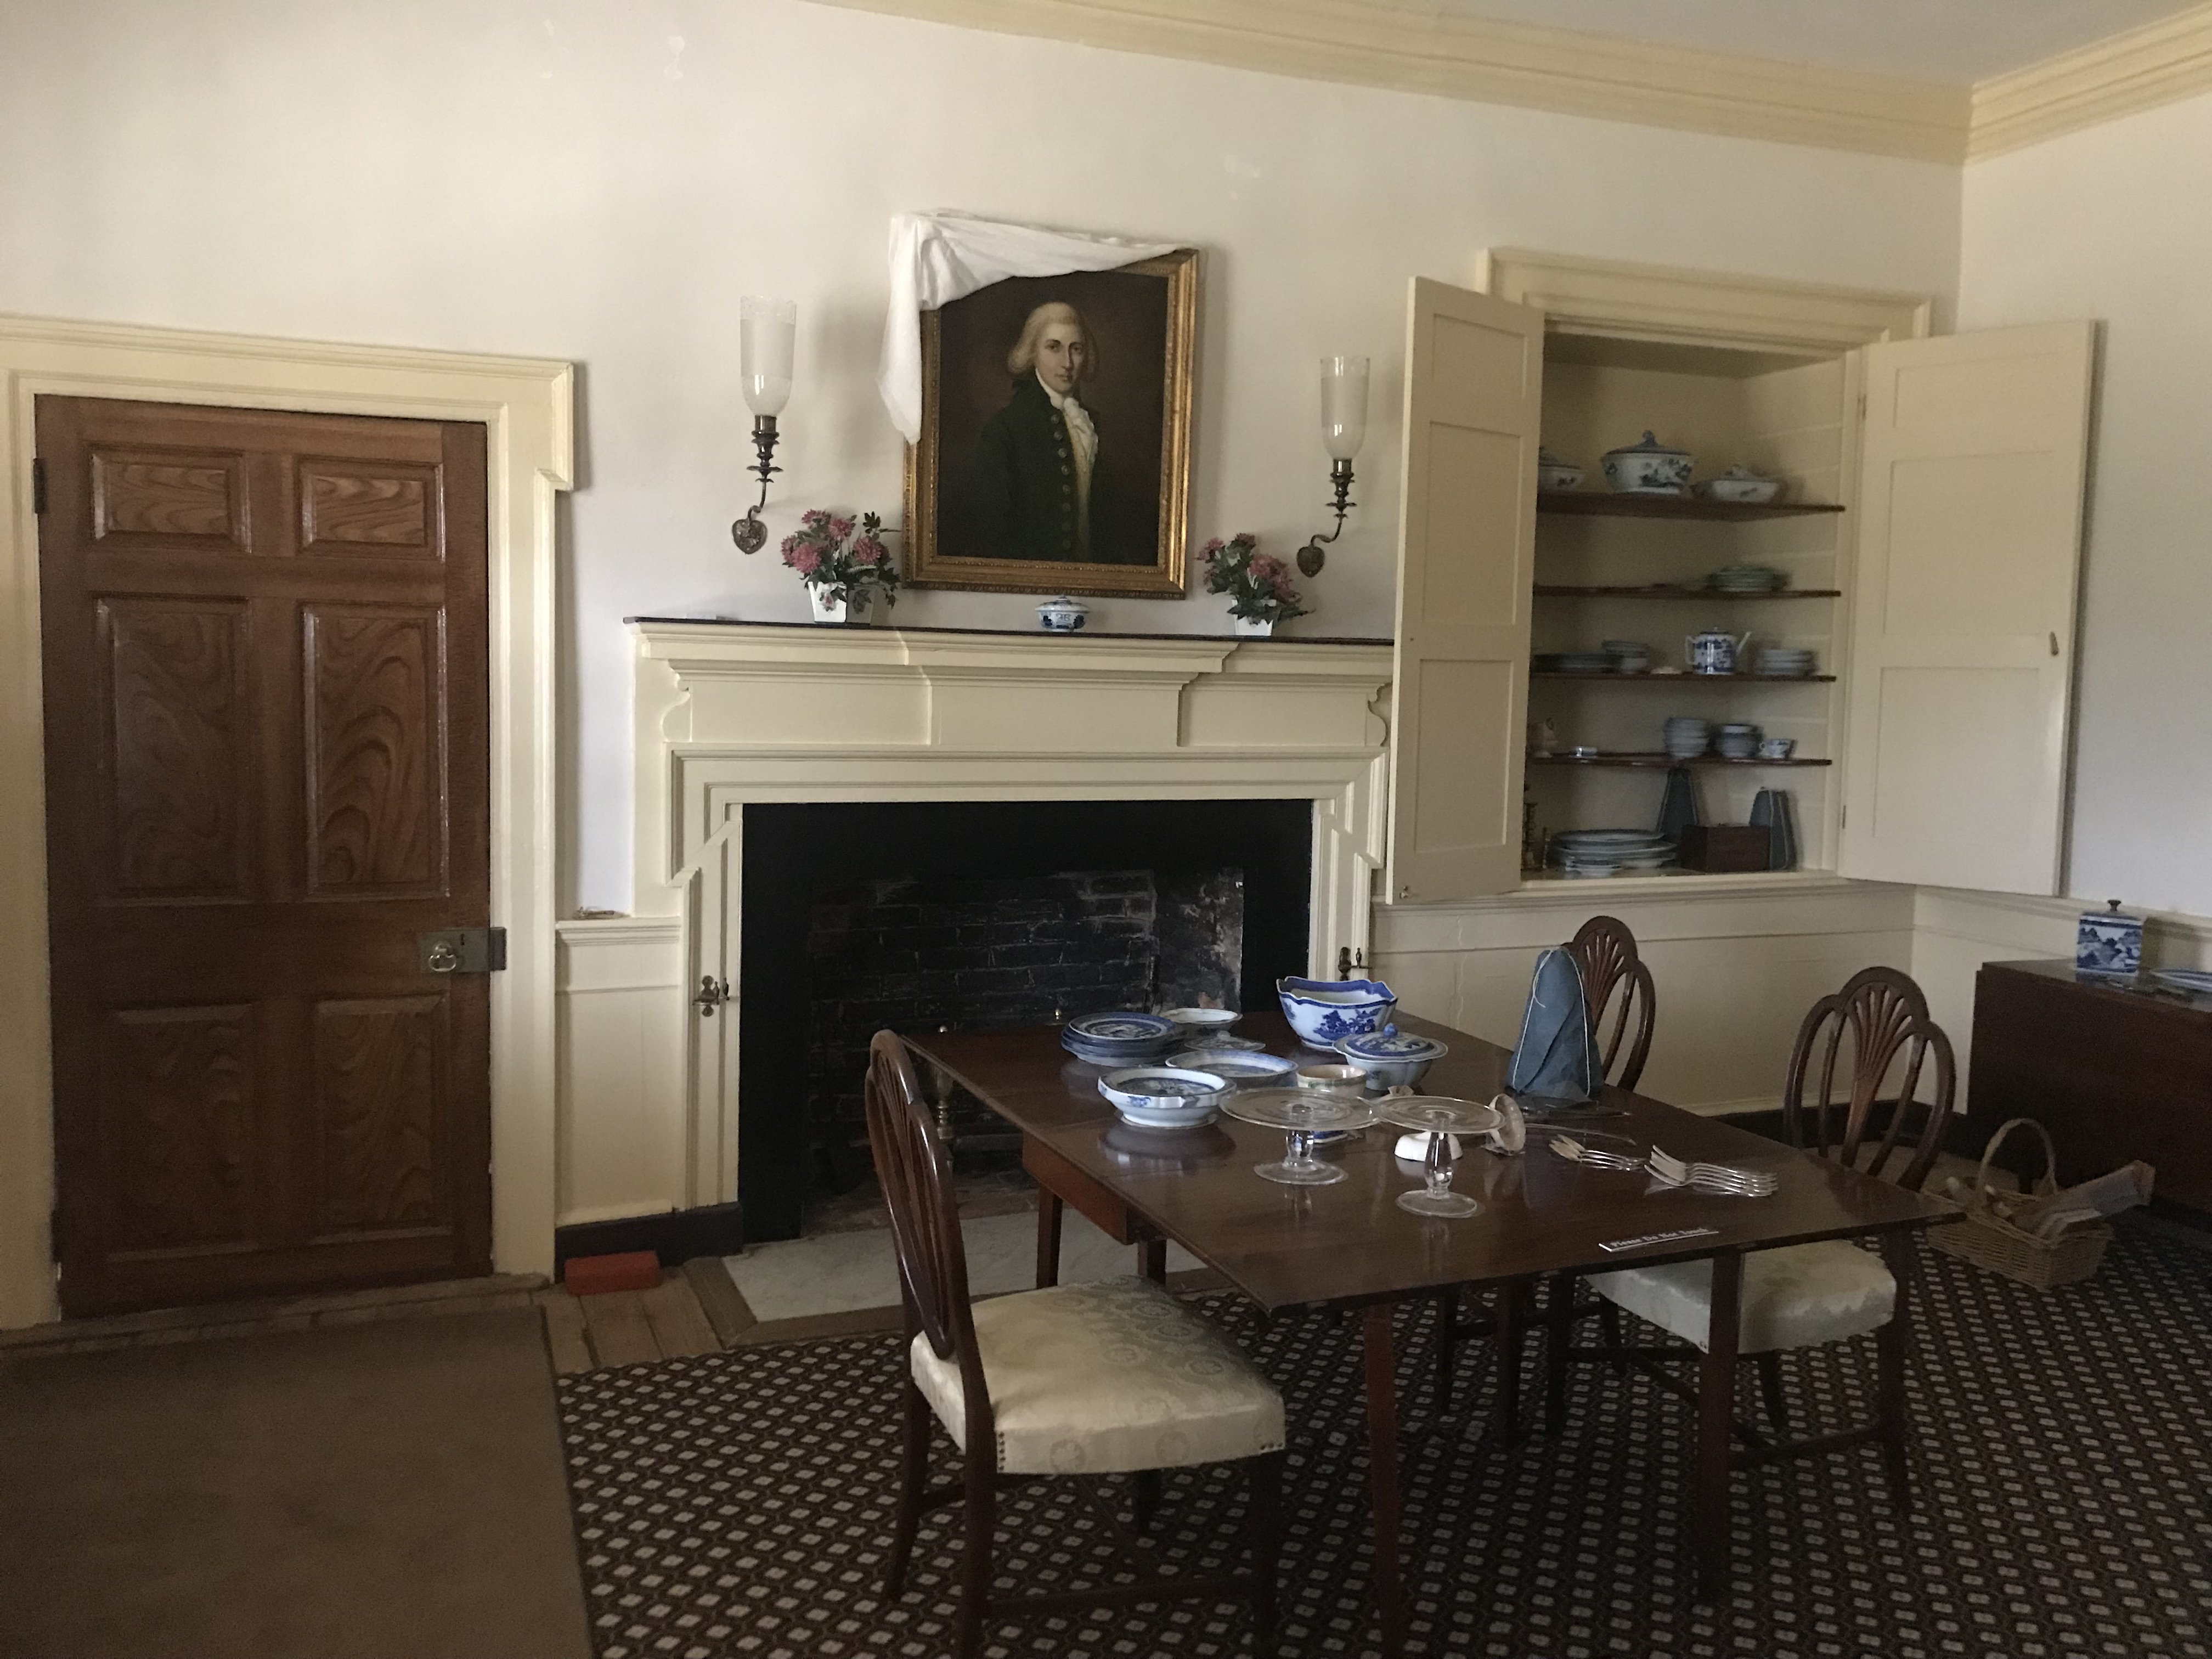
964	915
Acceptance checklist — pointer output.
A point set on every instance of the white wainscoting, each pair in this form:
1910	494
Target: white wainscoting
622	1133
1736	963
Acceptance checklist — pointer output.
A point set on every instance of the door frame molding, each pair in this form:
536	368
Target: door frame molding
527	405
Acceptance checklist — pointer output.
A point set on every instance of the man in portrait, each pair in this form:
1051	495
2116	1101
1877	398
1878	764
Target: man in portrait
1039	482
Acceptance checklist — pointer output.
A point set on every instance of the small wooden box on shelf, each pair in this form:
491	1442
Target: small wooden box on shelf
1726	848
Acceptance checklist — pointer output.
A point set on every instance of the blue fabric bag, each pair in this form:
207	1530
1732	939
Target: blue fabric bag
1555	1062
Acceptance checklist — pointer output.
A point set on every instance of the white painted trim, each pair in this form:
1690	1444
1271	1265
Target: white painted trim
526	406
1625	299
1427	49
2160	63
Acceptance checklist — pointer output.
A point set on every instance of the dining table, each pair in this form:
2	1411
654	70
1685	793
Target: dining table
1348	1246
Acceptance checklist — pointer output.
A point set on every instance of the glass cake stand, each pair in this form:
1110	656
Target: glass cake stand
1301	1114
1440	1117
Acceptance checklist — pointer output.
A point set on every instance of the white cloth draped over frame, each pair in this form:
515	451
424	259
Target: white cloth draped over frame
937	257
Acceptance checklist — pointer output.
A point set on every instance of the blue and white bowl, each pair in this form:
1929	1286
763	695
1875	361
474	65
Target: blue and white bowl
1164	1097
1063	614
1391	1057
1240	1067
1324	1012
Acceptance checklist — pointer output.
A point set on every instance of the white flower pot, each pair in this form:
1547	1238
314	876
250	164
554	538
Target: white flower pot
1254	627
827	610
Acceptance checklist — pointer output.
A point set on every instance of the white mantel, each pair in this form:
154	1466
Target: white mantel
733	713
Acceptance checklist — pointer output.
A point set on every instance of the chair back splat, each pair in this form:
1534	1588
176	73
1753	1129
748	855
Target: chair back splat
916	1175
1618	987
1884	1016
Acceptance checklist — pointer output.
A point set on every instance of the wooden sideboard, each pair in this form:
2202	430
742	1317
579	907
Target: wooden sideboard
2113	1074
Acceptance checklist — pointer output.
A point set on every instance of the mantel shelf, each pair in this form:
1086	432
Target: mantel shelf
1663	591
1590	504
1649	678
1661	761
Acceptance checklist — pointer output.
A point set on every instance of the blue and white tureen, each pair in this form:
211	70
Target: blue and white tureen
1391	1057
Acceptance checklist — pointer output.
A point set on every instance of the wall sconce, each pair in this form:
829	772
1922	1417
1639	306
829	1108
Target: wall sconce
768	336
1343	429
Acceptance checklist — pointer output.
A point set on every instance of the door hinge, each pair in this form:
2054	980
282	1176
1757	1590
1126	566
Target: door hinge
37	485
1862	405
54	1234
463	951
1842	817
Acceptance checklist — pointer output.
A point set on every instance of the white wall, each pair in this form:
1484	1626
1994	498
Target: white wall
601	182
2116	222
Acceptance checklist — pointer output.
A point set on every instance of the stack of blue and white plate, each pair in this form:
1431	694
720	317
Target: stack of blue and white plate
1685	736
1789	661
1120	1037
1607	852
1747	578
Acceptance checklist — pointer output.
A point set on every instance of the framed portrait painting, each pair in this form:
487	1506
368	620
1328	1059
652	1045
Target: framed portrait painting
1055	455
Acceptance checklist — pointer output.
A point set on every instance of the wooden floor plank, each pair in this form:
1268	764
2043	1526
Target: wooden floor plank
720	1298
678	1324
620	1334
565	1334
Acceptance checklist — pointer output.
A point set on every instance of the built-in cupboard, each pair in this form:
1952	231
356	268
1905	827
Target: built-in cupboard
1929	535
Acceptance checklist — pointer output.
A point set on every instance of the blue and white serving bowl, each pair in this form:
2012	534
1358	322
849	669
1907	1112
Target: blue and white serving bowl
1324	1012
1165	1097
1063	614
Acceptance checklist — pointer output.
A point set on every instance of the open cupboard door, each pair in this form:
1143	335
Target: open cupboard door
1962	638
1474	374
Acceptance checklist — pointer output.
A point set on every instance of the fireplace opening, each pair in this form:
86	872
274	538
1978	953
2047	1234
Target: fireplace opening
976	915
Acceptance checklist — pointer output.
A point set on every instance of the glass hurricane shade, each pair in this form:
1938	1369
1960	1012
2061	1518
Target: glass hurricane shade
768	338
1343	406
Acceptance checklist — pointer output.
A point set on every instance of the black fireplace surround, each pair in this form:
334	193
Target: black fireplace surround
928	915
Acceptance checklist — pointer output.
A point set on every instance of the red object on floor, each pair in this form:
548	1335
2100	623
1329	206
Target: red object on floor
596	1275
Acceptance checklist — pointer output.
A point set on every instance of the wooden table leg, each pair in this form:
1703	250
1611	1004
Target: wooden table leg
1505	1325
1049	1214
1897	1251
1153	1255
1382	1369
1709	1509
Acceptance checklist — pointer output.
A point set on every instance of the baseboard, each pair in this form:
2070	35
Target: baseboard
675	1235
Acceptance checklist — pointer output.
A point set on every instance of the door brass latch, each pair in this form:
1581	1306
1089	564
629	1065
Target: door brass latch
713	993
1347	959
463	951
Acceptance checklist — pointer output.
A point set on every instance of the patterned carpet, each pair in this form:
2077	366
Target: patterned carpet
740	1504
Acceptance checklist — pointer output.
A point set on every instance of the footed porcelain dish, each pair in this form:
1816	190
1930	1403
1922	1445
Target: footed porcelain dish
1323	1012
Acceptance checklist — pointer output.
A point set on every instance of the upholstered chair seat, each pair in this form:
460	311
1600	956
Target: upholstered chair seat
1797	1296
1106	1378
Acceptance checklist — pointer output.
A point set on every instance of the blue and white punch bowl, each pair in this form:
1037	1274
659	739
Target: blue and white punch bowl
1324	1012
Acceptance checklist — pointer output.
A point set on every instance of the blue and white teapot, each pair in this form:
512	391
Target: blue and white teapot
1714	651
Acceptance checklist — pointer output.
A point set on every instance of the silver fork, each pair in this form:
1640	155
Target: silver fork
1568	1147
1715	1177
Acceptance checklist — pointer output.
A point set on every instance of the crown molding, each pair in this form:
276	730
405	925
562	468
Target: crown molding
1403	48
2158	63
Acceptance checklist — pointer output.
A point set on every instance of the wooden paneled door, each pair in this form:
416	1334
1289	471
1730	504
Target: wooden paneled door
266	706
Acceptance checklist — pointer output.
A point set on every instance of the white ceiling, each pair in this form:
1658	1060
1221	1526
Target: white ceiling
1946	41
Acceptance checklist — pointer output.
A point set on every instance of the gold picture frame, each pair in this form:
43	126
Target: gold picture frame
983	476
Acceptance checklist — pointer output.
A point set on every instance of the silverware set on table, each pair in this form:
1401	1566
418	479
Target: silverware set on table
1669	1170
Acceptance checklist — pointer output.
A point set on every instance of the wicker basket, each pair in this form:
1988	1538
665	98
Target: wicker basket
1988	1240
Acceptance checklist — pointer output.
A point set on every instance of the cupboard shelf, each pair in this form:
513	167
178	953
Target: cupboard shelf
1683	680
1666	591
1661	761
1592	504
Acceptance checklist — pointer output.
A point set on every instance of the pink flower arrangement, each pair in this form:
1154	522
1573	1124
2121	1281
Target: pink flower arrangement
819	551
1258	584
